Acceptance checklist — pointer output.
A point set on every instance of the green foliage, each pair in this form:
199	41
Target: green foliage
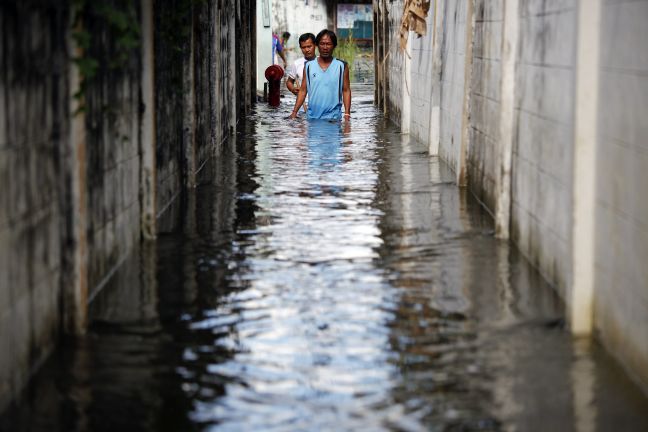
347	50
122	24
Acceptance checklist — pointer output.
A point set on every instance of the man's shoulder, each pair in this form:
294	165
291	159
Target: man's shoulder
299	62
309	62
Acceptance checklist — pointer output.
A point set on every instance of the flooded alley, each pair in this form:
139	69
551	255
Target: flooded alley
328	277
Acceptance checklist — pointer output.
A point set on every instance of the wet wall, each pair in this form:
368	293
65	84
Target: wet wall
81	170
34	121
622	181
204	76
542	168
112	144
485	97
392	61
502	109
168	55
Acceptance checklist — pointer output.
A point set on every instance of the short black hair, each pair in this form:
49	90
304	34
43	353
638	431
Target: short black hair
326	32
285	35
306	36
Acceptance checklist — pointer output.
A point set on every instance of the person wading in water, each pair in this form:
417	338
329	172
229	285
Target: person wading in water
326	82
296	70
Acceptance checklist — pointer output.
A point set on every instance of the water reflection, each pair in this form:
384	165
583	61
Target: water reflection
325	143
328	276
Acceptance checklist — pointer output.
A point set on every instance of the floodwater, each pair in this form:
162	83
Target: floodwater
328	277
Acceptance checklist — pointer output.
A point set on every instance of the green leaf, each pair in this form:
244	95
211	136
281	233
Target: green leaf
82	38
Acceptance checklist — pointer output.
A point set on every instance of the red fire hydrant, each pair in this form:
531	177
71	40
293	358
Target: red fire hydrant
274	74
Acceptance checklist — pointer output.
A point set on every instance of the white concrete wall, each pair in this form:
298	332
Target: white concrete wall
263	45
420	86
621	219
526	68
296	17
542	148
395	62
485	100
452	80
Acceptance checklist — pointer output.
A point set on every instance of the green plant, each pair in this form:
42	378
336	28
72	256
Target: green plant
122	24
348	50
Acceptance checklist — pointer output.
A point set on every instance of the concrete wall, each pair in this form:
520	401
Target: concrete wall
395	62
451	85
514	82
621	215
245	45
543	145
197	72
297	17
112	142
168	107
263	42
419	87
84	179
485	100
34	122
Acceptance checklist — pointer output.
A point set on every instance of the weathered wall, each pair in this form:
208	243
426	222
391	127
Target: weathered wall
245	45
264	42
198	72
543	145
395	60
298	17
76	184
513	91
208	42
33	127
485	100
168	107
112	102
621	248
419	87
451	86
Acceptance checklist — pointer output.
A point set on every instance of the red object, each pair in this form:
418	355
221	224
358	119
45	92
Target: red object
274	74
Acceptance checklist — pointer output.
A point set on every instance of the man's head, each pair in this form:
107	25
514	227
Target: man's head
326	42
285	36
307	45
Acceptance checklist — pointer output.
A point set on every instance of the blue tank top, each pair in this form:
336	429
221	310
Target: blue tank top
325	89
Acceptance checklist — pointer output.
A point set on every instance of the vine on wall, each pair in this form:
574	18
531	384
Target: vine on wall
121	20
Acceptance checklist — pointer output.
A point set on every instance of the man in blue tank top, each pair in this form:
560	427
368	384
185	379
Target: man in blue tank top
326	81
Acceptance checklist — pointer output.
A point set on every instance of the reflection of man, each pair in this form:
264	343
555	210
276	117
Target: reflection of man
324	145
326	82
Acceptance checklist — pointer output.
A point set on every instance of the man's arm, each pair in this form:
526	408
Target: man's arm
346	92
301	96
291	73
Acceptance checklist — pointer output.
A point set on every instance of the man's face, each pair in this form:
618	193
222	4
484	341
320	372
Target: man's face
308	49
325	46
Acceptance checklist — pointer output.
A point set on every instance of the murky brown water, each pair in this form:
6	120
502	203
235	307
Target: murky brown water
328	277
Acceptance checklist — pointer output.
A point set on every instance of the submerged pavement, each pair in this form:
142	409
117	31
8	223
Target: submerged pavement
328	276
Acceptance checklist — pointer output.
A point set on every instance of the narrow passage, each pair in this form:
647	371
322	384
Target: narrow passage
329	277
